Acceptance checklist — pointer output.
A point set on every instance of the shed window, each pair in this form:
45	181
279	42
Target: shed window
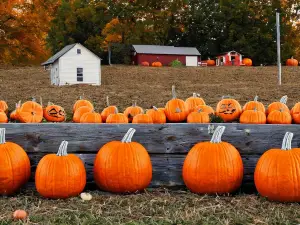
80	74
78	51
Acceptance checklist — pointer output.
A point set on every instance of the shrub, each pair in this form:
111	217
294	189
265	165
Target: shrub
176	63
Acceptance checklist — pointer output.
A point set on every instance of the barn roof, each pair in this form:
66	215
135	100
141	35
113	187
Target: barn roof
165	50
58	54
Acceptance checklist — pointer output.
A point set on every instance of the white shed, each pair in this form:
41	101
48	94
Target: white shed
74	64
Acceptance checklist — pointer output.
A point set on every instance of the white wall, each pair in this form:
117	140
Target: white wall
54	74
69	63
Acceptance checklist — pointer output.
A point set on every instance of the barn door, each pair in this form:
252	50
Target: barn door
191	61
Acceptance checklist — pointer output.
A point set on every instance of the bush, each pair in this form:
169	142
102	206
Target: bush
176	63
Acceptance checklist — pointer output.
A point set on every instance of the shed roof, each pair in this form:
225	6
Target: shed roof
165	50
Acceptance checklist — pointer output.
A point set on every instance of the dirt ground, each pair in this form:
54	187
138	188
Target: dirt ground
152	86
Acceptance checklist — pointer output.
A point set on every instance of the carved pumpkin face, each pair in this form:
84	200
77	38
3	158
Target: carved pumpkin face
229	109
55	113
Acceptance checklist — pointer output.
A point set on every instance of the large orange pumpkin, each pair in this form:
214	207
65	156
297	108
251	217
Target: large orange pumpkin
277	173
54	113
157	64
157	114
204	108
281	105
142	118
30	112
4	106
213	167
253	117
292	62
123	166
211	62
247	62
91	117
79	113
295	112
110	109
228	109
193	102
175	109
117	118
279	117
15	166
132	111
198	117
82	102
3	117
60	175
255	104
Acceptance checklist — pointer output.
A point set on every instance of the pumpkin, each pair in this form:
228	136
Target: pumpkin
211	62
279	117
30	112
117	118
82	102
123	166
277	173
228	109
110	109
13	115
254	104
142	118
157	64
198	117
145	64
295	112
213	167
54	113
15	166
193	102
253	117
86	196
281	105
91	117
247	62
3	117
175	109
79	113
60	175
20	214
204	108
157	114
132	111
3	106
292	62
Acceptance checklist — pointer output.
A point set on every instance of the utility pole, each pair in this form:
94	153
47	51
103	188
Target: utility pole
278	46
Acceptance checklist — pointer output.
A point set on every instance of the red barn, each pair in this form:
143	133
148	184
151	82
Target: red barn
231	58
165	54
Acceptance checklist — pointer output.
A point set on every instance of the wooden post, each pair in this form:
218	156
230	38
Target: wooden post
278	46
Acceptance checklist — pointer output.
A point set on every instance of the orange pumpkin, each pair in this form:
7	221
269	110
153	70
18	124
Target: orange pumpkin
292	62
82	102
79	113
281	105
132	111
30	112
175	109
211	62
228	109
247	62
123	166
3	117
3	106
193	102
204	108
110	109
157	114
253	117
157	64
279	117
20	214
277	173
119	118
254	104
142	118
213	167
14	115
60	175
15	166
54	113
91	117
295	112
198	117
145	64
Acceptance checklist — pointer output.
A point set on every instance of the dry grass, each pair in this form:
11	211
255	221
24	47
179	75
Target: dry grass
153	207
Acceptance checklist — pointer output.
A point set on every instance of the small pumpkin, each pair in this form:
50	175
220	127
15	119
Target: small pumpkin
253	117
3	117
142	118
30	112
292	62
54	113
110	109
91	117
175	109
123	166
279	117
145	64
213	167
20	214
211	62
277	173
254	104
60	175
228	109
205	108
198	117
15	166
193	102
133	110
247	62
79	113
281	105
295	112
82	102
157	64
86	196
3	107
14	116
157	114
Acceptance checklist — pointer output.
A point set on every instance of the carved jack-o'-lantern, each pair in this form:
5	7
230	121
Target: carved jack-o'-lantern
229	109
54	113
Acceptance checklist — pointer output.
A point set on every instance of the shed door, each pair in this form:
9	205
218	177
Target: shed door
191	61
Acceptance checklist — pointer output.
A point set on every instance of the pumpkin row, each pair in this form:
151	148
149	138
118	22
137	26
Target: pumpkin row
192	110
212	167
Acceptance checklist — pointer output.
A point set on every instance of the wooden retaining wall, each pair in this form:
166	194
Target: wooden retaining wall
167	144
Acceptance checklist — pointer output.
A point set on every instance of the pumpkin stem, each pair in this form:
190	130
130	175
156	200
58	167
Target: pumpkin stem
255	109
116	110
62	151
80	97
41	101
177	110
287	141
216	138
284	99
173	92
256	98
107	101
128	136
33	99
200	110
134	103
2	136
156	109
195	95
